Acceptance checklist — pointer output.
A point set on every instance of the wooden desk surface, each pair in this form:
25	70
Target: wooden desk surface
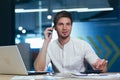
44	77
6	77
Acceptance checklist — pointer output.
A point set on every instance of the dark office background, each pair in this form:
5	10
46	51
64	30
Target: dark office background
99	28
7	22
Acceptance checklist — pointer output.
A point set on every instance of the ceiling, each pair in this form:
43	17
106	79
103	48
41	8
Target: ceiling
31	21
67	4
73	3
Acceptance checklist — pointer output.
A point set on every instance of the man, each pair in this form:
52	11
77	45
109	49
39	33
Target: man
66	54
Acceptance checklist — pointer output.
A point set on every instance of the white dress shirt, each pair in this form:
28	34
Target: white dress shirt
70	57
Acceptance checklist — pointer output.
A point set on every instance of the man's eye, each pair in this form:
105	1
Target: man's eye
68	24
60	24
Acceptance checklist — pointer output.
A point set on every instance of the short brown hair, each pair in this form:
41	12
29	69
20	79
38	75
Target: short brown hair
60	15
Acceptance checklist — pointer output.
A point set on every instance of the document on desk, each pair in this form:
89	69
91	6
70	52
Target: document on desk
34	77
97	76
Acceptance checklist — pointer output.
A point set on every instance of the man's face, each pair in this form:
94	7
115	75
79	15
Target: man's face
63	27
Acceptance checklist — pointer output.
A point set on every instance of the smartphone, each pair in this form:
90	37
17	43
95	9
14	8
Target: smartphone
92	71
51	30
50	33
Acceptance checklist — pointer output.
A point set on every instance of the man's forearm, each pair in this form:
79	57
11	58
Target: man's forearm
40	61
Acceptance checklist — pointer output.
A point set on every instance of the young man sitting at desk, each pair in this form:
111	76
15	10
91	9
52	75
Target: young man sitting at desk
65	53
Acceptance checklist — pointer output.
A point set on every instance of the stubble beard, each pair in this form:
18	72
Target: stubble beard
65	37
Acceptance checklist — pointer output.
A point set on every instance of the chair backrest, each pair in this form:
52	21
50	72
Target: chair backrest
87	66
24	49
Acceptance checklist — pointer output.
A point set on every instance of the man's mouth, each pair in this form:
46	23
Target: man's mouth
64	32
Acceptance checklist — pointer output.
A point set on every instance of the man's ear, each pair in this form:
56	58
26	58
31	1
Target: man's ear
54	27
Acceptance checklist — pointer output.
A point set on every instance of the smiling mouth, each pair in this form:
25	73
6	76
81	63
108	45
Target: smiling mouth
64	33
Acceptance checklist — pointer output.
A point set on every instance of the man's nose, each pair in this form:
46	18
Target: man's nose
64	26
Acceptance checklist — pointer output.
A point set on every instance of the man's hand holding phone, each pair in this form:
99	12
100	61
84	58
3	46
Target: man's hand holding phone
48	33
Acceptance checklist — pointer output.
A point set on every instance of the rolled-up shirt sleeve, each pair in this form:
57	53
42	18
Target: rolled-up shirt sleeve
90	54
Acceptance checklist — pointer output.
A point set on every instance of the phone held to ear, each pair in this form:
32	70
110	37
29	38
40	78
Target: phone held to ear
51	30
50	33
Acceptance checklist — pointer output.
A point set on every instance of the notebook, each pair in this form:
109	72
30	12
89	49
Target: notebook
11	62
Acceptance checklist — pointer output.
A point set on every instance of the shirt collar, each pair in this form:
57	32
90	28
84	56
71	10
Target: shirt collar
64	45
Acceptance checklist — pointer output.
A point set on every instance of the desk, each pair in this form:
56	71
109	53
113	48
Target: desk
116	76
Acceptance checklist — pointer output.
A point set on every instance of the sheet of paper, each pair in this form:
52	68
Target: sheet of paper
36	77
75	75
97	76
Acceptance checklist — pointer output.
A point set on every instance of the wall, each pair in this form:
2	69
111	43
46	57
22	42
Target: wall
7	28
104	38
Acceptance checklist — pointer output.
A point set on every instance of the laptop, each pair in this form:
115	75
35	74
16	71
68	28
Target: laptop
11	62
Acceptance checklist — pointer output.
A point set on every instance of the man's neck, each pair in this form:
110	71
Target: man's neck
63	41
